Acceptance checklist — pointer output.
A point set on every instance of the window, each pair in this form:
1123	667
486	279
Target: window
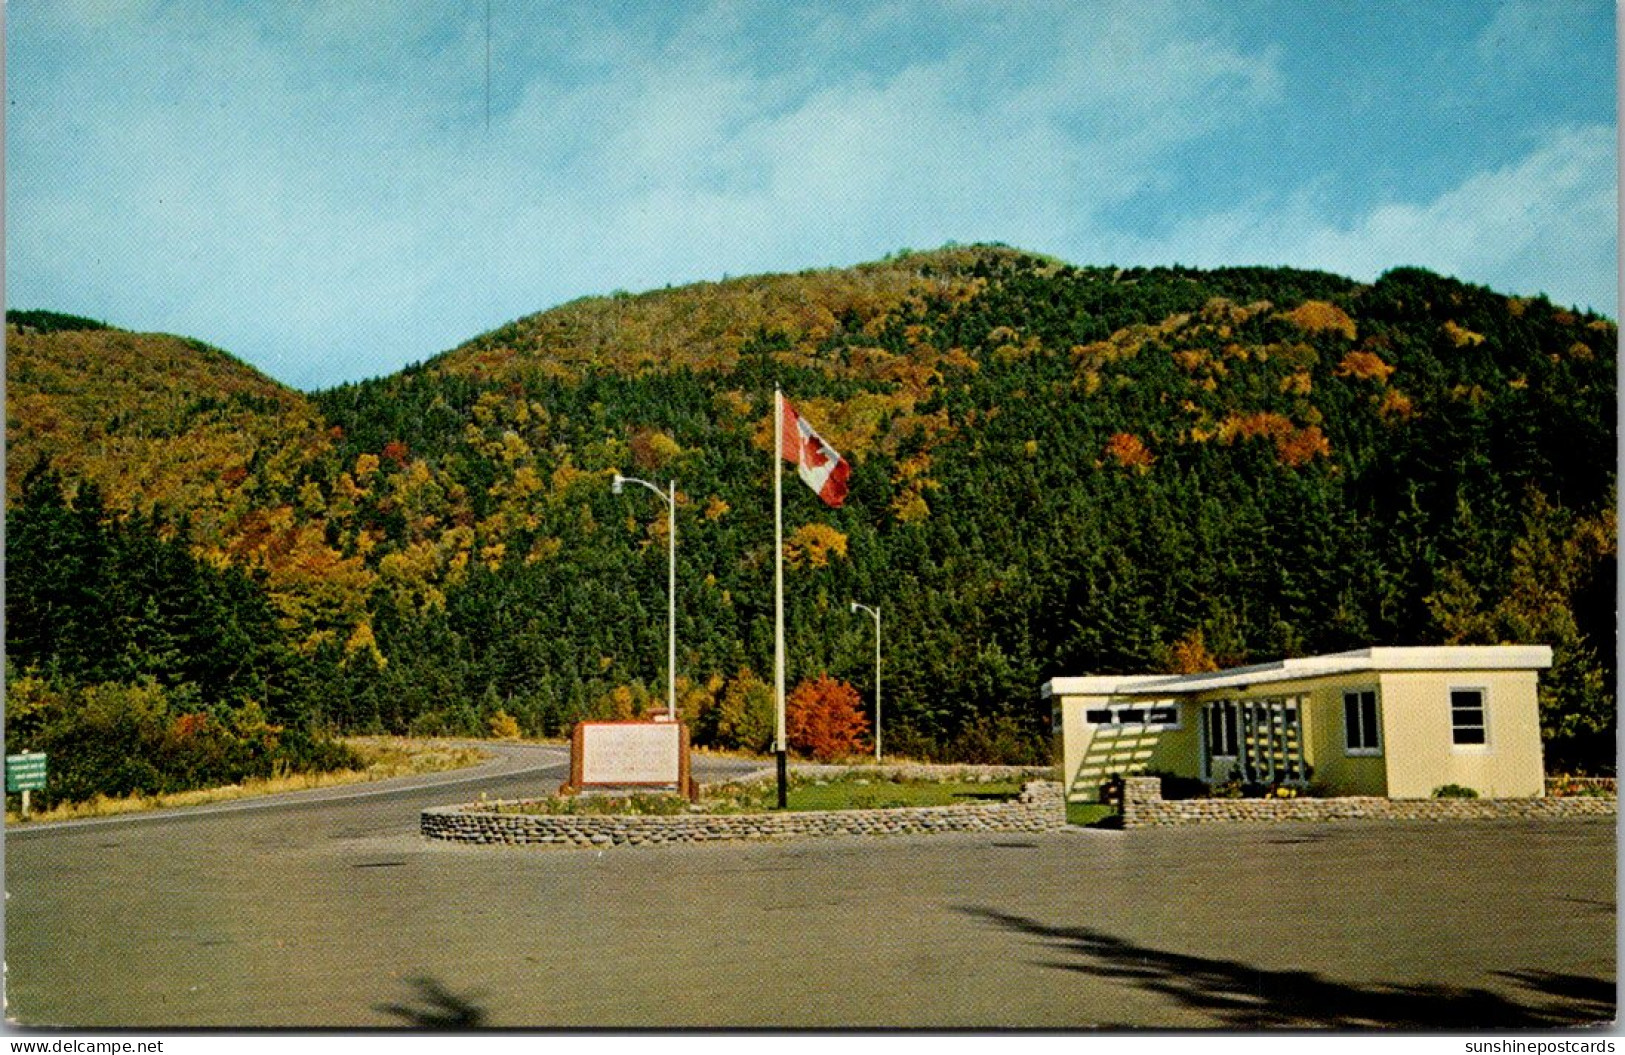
1221	730
1134	716
1467	725
1360	729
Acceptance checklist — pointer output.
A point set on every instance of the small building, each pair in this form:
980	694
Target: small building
1393	722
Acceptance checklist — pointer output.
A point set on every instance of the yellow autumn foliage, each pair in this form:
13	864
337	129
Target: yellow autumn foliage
812	545
1318	316
1364	365
1460	336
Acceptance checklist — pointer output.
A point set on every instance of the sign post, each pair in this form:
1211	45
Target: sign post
25	773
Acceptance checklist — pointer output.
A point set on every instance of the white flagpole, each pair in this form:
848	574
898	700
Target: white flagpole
778	591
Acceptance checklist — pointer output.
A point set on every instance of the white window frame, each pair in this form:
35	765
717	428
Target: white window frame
1363	751
1213	710
1483	709
1117	724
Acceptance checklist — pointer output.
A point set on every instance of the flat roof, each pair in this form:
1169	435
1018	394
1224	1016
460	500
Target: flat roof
1416	657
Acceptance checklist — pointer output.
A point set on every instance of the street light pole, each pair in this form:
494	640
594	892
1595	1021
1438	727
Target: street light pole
875	611
670	495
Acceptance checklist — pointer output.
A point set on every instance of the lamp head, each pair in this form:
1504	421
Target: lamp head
616	484
854	608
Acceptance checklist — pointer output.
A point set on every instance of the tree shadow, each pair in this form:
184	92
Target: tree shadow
433	1006
1242	996
1593	999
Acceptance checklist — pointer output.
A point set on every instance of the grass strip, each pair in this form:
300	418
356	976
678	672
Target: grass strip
804	796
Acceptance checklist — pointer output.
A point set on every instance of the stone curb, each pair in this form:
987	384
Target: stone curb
1040	807
1144	807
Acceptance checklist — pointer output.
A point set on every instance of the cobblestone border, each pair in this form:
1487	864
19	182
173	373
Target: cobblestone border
1144	807
1039	807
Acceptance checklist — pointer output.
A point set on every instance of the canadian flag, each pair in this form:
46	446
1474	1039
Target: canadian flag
824	470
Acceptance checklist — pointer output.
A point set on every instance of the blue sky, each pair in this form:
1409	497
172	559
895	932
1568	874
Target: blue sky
316	188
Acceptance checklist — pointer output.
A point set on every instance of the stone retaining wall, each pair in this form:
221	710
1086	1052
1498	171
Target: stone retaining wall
1040	807
1144	807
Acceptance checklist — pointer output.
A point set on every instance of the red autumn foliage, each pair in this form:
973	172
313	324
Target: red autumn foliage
397	452
1294	446
824	718
187	726
1130	451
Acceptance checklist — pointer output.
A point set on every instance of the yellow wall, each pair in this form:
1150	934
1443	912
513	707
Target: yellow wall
1322	716
1325	741
1091	755
1416	752
1417	738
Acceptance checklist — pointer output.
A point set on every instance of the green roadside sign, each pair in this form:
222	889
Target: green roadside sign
25	772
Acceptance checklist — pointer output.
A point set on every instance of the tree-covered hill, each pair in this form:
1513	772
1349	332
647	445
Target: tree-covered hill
154	419
1056	470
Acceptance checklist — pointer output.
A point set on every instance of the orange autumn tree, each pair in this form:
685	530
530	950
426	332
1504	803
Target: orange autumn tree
824	718
1130	451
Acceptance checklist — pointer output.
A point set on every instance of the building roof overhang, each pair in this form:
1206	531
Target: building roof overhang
1367	660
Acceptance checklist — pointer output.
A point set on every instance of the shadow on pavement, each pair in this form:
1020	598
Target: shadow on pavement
1591	999
433	1006
1241	996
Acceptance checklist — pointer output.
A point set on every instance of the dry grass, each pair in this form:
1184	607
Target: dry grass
385	757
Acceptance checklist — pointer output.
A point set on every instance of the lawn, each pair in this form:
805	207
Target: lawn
1090	814
885	794
848	793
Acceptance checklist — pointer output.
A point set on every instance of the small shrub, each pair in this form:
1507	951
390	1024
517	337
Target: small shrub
504	726
1454	791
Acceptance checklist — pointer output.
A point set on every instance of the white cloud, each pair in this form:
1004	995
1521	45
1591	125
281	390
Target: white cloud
307	187
1546	223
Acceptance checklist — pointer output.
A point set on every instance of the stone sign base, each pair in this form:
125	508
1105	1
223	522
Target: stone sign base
633	755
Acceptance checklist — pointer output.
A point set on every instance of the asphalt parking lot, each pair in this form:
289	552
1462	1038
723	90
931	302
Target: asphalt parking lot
338	914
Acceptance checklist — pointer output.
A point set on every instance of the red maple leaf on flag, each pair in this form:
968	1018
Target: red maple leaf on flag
819	465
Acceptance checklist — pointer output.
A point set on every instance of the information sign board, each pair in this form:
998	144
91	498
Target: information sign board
629	754
25	772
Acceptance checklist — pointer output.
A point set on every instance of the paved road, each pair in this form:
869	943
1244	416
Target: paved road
335	913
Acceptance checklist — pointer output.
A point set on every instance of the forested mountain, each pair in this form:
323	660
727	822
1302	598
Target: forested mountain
1055	470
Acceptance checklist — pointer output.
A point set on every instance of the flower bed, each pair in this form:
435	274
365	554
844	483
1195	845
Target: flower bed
1582	787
